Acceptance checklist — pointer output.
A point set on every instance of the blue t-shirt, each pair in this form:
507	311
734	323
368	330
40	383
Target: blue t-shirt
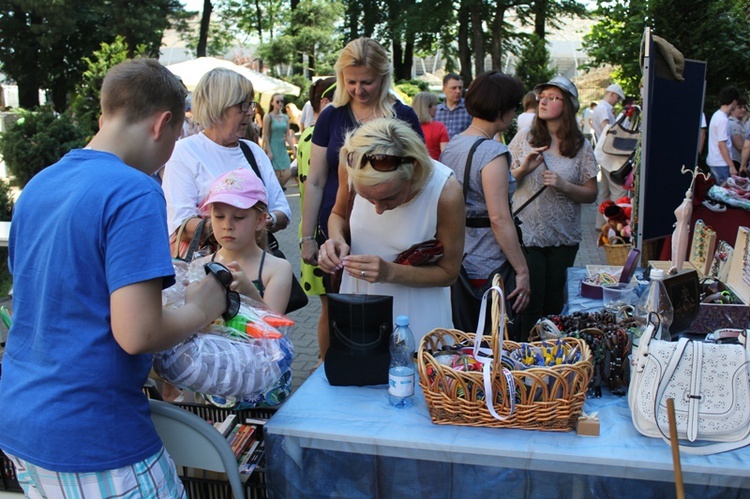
70	396
330	131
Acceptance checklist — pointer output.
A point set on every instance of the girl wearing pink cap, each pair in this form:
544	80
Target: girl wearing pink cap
238	207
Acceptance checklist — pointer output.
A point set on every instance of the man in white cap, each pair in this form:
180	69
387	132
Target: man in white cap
601	117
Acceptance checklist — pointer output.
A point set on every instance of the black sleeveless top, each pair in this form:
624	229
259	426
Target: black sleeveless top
258	283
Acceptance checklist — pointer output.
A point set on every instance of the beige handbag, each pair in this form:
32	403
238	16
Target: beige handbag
617	144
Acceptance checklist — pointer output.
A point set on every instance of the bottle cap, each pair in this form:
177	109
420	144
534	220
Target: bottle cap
657	274
402	320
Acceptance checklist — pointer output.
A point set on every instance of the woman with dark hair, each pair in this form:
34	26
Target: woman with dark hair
552	155
491	236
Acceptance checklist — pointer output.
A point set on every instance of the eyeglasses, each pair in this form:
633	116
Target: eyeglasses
224	276
245	106
550	98
380	162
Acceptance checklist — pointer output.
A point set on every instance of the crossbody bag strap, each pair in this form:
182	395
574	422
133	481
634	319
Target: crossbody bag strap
250	157
467	168
694	403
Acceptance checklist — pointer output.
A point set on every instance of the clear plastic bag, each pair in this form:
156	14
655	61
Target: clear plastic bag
247	360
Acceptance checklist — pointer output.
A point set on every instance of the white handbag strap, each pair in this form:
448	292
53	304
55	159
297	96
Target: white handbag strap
485	356
693	403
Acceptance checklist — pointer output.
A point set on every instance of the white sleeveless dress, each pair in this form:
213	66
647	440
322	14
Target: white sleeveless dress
388	235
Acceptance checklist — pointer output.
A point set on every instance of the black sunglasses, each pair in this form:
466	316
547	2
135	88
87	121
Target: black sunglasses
224	276
380	162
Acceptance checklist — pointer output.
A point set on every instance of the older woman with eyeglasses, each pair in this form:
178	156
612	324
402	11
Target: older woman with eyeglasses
399	198
223	105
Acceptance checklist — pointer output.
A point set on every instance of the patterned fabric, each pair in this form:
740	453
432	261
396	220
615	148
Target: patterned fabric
155	477
552	219
456	120
311	277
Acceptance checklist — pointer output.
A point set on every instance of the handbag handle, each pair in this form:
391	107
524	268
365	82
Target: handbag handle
694	402
194	242
358	346
488	357
635	123
184	223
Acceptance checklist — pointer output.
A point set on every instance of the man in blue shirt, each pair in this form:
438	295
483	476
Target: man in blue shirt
89	254
452	112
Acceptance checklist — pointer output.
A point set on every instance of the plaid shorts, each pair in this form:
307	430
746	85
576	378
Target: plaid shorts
155	477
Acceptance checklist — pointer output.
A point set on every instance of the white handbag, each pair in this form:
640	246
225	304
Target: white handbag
710	385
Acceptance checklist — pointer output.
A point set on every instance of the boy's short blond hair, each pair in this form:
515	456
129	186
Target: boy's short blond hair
138	88
217	91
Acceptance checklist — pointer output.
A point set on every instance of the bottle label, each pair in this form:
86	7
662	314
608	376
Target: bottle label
401	384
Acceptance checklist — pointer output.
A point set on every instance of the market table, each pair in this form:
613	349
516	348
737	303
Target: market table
330	441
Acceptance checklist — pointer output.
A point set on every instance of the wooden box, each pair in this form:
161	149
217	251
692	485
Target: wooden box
713	316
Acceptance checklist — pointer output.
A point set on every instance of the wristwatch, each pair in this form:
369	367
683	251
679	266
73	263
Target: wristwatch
273	219
306	238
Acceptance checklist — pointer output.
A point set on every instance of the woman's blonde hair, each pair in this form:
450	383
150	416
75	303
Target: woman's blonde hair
365	52
217	91
388	136
421	104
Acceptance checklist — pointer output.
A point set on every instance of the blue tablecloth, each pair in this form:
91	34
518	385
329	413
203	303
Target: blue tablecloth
349	442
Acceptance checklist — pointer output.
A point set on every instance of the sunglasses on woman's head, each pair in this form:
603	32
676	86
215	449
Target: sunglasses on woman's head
224	276
380	162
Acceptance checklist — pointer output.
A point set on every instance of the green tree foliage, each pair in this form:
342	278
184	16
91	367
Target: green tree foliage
44	43
533	65
85	107
715	31
311	33
37	140
6	204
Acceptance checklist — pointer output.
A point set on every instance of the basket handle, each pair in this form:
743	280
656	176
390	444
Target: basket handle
487	357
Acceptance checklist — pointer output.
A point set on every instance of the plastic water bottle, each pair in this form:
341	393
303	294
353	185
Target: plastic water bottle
401	370
654	299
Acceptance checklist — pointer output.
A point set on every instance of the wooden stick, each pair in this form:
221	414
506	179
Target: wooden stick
675	449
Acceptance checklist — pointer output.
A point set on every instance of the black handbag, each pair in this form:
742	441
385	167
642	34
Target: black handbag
466	301
297	297
360	333
620	175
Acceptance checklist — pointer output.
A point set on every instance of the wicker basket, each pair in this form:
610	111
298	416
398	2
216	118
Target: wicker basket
547	398
617	253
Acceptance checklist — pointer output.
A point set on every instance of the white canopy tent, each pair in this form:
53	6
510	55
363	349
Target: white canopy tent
192	71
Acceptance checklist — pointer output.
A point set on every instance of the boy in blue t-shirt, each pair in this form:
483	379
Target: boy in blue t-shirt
89	254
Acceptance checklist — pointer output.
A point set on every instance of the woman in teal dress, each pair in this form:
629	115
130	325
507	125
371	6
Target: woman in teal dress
277	137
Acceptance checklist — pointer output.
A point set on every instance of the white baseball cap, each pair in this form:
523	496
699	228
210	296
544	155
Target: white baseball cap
617	89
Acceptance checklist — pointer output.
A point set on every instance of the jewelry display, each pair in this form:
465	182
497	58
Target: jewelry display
703	245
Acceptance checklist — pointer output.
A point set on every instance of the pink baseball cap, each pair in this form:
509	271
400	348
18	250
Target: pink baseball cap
239	188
